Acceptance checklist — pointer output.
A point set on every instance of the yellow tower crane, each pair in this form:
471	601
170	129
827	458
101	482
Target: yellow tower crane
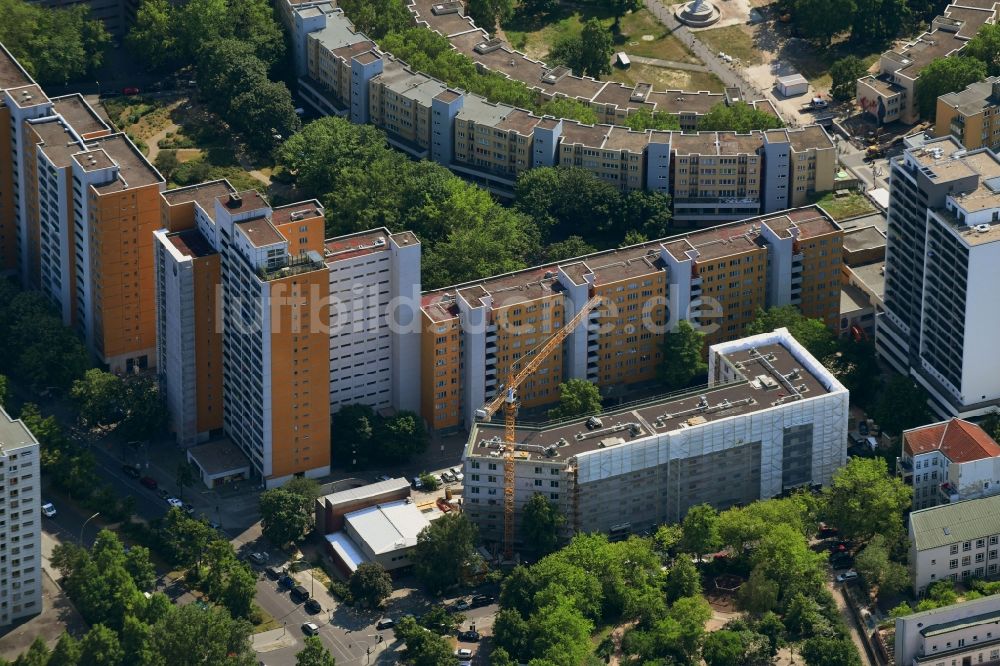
507	397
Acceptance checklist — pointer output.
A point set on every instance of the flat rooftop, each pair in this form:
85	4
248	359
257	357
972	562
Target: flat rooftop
28	95
12	75
365	492
976	97
59	142
388	527
356	245
13	434
863	238
220	457
242	202
300	210
80	115
766	374
202	194
260	232
872	276
134	170
191	243
638	260
852	299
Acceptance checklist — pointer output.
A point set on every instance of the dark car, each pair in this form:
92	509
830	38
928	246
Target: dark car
131	472
385	623
841	561
469	636
287	581
272	573
863	428
299	594
481	600
149	482
131	90
163	494
188	509
312	606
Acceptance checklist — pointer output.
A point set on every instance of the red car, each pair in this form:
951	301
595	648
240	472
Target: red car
149	482
130	91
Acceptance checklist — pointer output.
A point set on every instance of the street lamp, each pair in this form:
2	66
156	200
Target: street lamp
85	525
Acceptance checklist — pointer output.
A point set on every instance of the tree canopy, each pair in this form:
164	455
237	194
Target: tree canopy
683	356
444	549
812	334
864	500
370	584
541	524
943	76
737	117
576	398
285	514
364	438
56	46
901	406
587	54
985	47
844	74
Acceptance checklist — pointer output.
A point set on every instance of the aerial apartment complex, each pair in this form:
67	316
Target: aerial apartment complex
972	115
771	418
20	522
79	205
715	278
942	260
714	176
964	633
890	94
948	462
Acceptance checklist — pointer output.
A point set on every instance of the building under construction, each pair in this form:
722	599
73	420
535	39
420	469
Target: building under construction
771	418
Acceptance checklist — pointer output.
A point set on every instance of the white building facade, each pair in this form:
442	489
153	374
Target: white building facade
957	635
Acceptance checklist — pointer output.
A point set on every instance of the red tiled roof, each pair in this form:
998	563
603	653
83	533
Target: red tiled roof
957	439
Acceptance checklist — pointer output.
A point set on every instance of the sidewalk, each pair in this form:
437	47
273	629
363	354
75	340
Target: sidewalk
275	639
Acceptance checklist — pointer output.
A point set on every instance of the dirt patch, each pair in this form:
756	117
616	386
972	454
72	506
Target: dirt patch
663	78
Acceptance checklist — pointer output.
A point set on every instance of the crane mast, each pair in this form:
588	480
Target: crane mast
508	399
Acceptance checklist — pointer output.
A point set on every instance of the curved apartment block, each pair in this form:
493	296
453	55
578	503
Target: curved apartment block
712	176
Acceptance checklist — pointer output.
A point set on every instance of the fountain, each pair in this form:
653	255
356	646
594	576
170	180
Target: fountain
697	13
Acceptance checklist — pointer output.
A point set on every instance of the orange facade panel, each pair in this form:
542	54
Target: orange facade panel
304	235
440	372
300	362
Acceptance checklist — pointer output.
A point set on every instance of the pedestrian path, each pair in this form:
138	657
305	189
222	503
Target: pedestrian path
275	639
669	64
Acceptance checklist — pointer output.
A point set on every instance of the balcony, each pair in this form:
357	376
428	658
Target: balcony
904	470
948	492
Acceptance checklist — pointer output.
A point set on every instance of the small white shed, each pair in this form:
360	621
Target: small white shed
792	85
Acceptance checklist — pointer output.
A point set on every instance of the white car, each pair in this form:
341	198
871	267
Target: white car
174	502
457	473
847	576
48	510
463	653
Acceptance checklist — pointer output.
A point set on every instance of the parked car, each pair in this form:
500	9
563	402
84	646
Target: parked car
457	473
312	606
841	560
149	482
162	493
417	483
299	594
481	600
863	428
310	628
447	476
827	530
258	558
49	510
462	605
463	653
469	636
131	90
131	472
385	623
188	509
286	581
383	477
594	422
847	576
272	573
174	502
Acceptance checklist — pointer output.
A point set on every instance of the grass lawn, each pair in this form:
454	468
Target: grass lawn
667	79
734	40
815	66
844	207
536	36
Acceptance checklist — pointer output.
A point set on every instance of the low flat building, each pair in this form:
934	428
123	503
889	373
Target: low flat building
949	462
971	115
219	462
383	533
954	542
331	509
966	633
772	418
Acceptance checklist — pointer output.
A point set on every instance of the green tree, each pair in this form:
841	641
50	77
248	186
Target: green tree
587	54
66	652
644	119
152	36
487	13
100	647
423	647
440	620
723	648
576	398
377	18
812	334
500	656
140	567
783	555
820	20
37	654
864	500
145	414
511	634
198	23
759	594
943	76
314	654
737	117
877	21
701	530
238	594
542	524
284	519
572	247
370	584
824	651
401	437
443	550
844	74
4	390
189	636
985	47
901	406
879	572
264	111
185	539
560	634
353	430
683	579
683	356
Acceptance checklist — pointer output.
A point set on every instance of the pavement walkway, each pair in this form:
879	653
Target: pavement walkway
275	639
670	64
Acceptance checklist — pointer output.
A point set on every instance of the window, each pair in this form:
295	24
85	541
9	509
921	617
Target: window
953	564
954	549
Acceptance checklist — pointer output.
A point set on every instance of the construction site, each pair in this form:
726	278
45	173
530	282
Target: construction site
770	419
